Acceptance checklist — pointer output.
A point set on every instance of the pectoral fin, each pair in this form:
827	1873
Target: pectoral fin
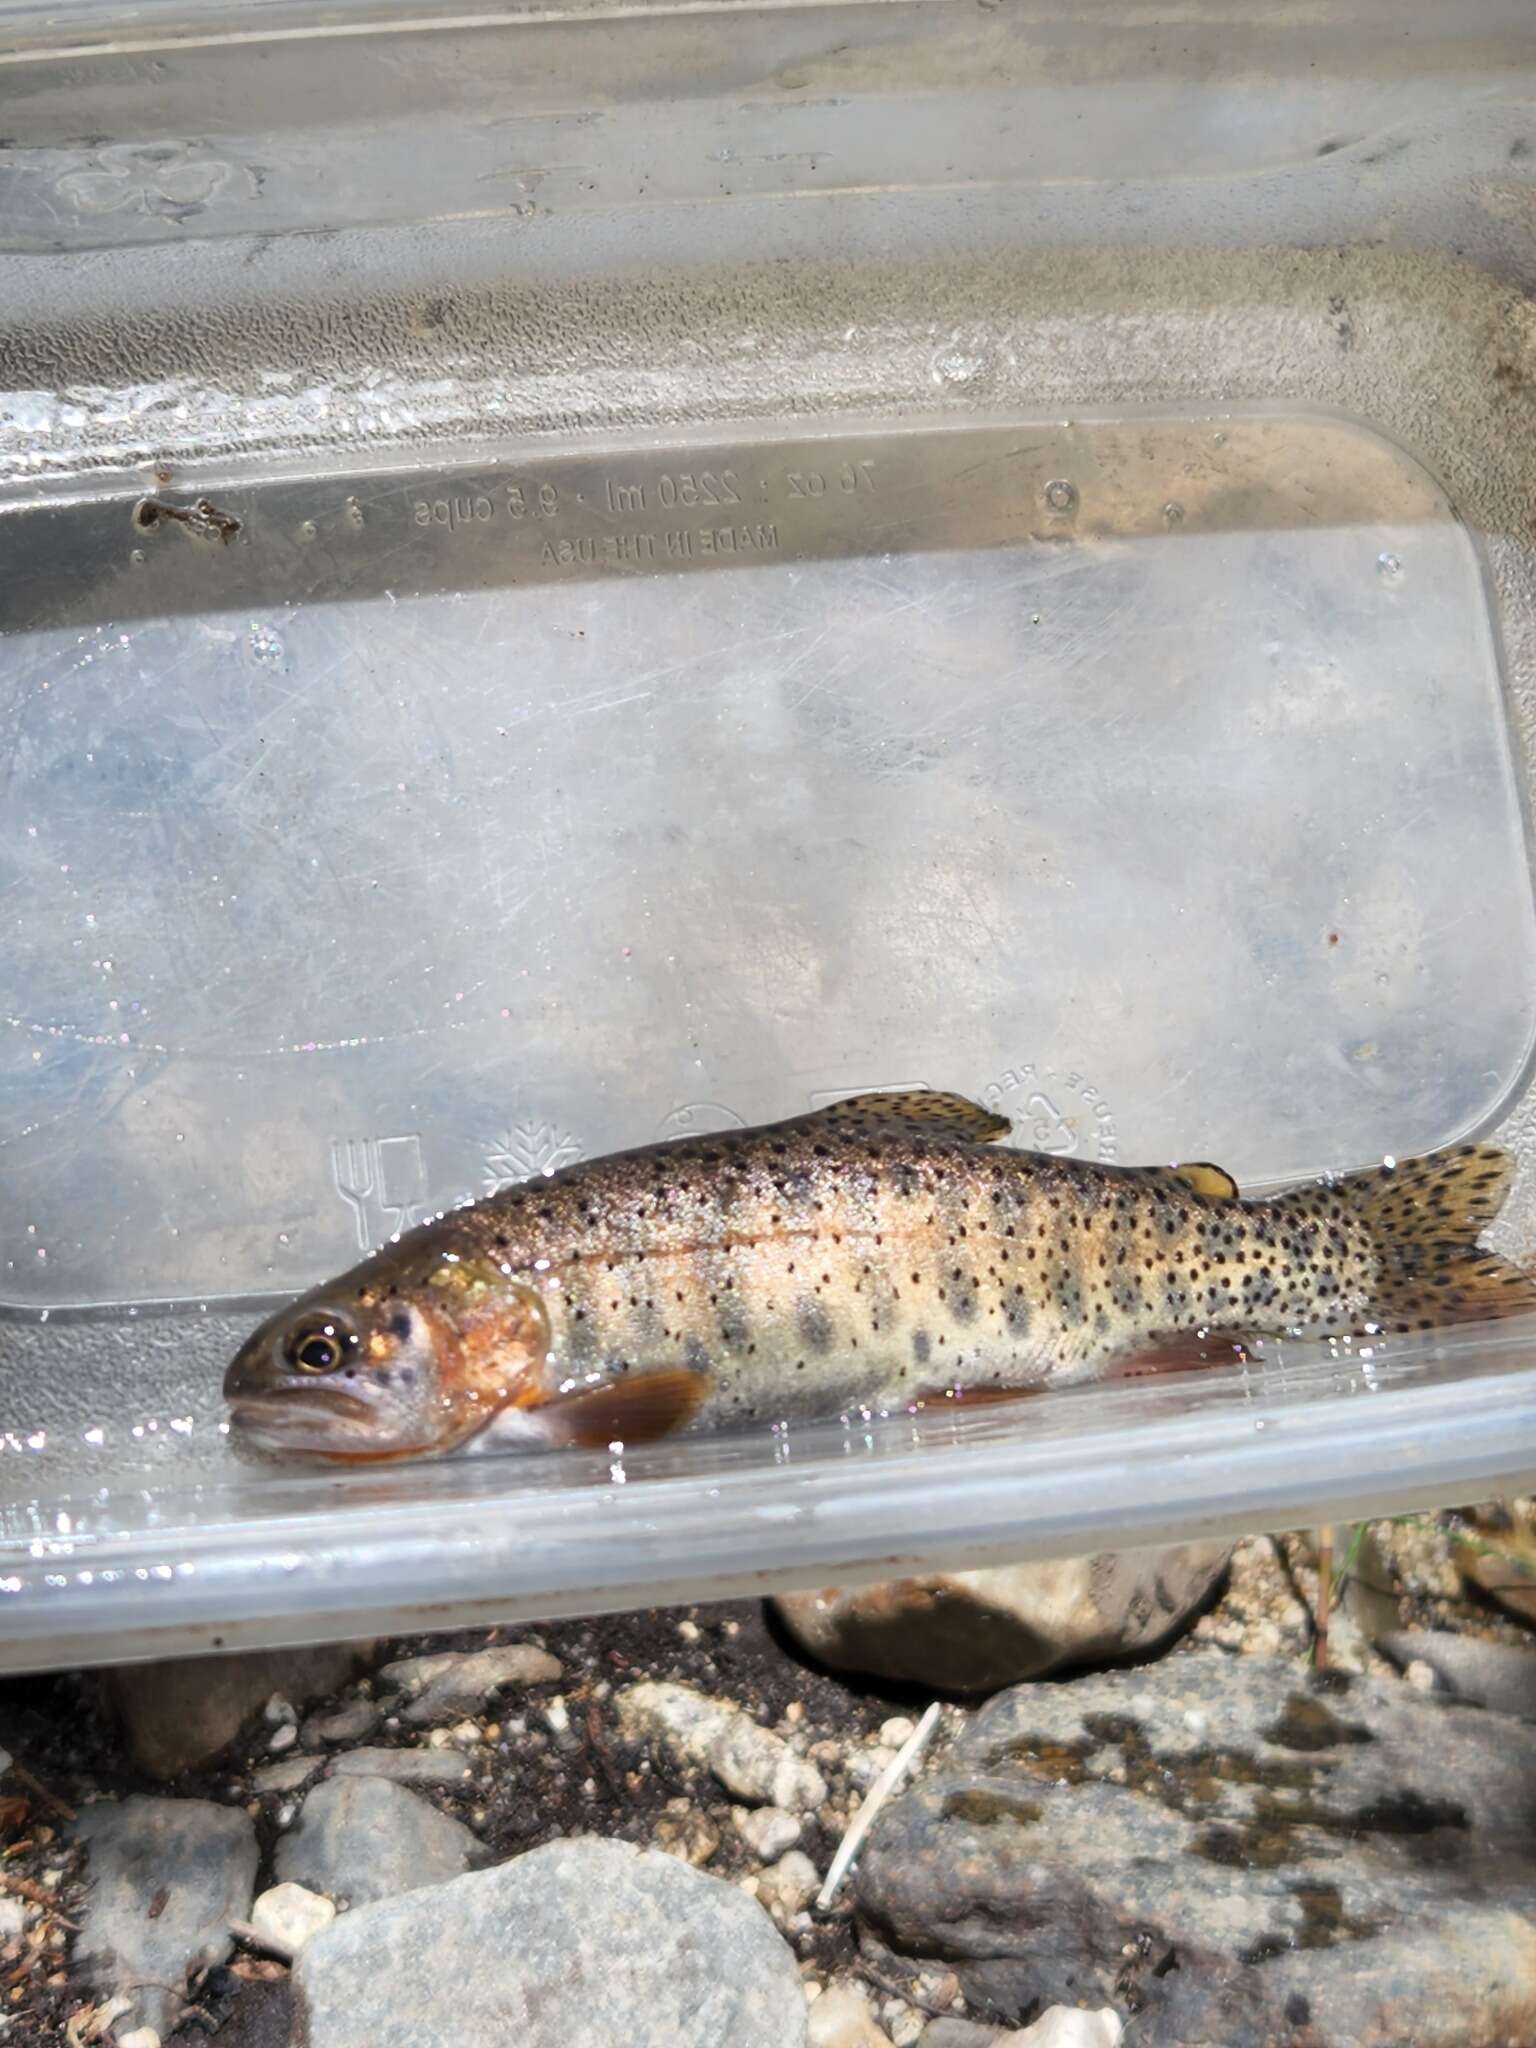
637	1409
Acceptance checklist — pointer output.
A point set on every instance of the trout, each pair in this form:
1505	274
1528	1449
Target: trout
879	1253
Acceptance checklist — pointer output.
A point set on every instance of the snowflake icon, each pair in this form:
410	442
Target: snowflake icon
168	180
527	1151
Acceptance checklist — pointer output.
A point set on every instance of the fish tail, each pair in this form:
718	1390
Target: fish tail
1426	1216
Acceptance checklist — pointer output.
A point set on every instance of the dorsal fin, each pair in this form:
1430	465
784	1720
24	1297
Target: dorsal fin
920	1112
1200	1178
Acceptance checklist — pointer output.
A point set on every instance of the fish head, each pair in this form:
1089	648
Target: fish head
380	1368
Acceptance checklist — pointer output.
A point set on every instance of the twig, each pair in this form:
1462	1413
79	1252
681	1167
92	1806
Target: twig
26	1889
40	1791
873	1800
1324	1596
906	1992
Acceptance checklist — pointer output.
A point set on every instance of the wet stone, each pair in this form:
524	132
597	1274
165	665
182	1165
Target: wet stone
1212	1845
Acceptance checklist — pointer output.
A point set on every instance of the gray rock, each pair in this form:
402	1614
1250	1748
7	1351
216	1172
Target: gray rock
350	1723
448	1684
1497	1675
405	1766
947	2032
166	1878
975	1631
362	1839
582	1944
181	1712
1241	1855
285	1776
6	1760
750	1761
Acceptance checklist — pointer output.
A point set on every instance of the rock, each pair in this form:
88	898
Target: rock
897	1730
362	1839
683	1831
1067	2026
1499	1558
282	1737
166	1878
581	1944
790	1884
1497	1675
181	1712
1239	1853
405	1766
13	1916
449	1684
767	1830
350	1723
287	1917
956	2033
975	1631
1370	1597
141	2037
841	2018
748	1760
287	1776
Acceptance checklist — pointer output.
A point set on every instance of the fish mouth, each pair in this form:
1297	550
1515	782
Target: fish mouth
296	1425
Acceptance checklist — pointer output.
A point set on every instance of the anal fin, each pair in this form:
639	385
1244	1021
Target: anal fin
1185	1351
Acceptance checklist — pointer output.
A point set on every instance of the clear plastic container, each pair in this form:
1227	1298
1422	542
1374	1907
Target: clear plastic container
621	577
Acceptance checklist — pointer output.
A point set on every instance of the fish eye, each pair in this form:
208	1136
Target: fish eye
318	1344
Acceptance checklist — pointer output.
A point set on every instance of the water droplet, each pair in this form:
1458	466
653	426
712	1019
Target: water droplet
264	643
1173	512
1389	567
136	557
957	366
1061	496
354	513
307	529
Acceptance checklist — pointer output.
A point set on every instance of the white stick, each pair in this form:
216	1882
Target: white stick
874	1799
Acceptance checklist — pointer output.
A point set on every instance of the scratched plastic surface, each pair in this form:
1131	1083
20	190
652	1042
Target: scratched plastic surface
753	554
442	828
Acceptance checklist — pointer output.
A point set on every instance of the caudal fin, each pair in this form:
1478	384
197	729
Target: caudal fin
1426	1216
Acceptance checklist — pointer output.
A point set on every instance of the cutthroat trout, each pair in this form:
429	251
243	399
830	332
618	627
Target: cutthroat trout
879	1252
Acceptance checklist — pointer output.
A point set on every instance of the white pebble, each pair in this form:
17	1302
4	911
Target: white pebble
289	1915
767	1830
556	1717
1421	1676
689	1631
277	1713
283	1737
790	1883
141	2037
841	2018
897	1730
13	1914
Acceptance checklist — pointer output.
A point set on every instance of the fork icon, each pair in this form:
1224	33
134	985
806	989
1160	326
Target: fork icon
353	1170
